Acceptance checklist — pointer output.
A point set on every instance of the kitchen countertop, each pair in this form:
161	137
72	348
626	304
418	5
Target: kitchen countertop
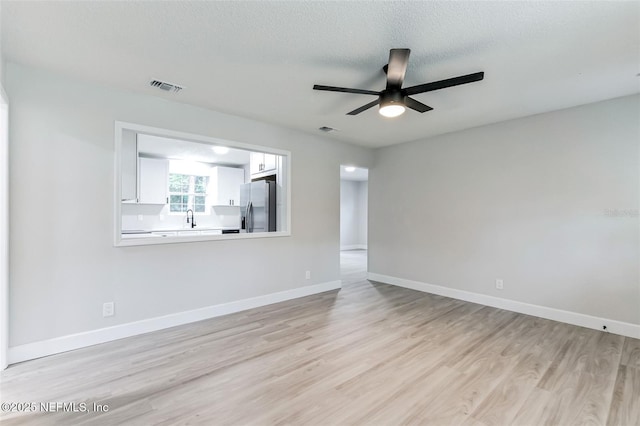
182	232
197	228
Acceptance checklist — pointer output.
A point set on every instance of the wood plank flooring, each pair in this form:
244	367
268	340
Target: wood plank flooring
369	354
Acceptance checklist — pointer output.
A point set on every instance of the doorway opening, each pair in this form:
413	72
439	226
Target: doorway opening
354	195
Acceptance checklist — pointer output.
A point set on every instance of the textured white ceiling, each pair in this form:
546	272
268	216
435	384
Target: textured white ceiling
261	59
190	151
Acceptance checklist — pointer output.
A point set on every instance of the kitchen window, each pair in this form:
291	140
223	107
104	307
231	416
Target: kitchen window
187	192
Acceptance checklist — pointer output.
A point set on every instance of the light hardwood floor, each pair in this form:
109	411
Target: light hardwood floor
368	354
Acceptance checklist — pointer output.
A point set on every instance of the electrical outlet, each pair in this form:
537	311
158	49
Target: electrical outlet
499	284
108	309
307	275
140	217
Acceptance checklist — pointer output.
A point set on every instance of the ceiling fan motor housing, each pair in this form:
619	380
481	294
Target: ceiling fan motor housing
392	97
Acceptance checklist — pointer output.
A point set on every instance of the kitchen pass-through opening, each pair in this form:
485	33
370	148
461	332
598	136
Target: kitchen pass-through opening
173	187
354	194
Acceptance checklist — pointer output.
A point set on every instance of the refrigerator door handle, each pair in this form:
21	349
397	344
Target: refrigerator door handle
250	220
246	218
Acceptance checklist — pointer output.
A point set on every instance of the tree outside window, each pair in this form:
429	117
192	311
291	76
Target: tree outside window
187	192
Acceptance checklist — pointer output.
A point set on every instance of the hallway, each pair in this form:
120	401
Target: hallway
353	266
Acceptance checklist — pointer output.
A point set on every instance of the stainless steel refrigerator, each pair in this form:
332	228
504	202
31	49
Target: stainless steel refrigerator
258	206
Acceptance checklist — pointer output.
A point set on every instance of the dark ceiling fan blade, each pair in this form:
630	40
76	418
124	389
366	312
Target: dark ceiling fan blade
416	106
364	107
437	85
397	67
345	90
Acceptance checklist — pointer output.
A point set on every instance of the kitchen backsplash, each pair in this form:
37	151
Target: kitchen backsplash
157	217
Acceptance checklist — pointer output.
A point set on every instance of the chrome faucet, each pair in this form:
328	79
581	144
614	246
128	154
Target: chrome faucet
193	219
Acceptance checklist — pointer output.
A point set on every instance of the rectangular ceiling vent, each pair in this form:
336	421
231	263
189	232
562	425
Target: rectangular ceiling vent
167	87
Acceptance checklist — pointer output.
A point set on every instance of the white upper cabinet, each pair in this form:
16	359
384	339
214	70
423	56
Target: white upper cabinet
154	181
224	186
257	158
129	164
263	164
269	163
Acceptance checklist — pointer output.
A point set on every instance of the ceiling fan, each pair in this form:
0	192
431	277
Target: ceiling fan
394	99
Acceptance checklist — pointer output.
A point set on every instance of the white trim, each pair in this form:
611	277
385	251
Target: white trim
4	228
354	247
167	133
588	321
94	337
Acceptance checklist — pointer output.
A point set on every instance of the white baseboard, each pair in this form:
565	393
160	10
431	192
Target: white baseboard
80	340
354	247
596	323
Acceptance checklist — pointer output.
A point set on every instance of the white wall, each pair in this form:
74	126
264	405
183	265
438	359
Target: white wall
4	229
1	52
4	214
527	201
353	214
63	264
524	201
363	199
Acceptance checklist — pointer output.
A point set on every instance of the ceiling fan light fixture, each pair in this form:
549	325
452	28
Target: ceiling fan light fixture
391	110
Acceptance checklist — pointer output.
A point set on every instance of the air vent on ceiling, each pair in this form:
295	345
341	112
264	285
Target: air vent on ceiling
167	87
327	129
